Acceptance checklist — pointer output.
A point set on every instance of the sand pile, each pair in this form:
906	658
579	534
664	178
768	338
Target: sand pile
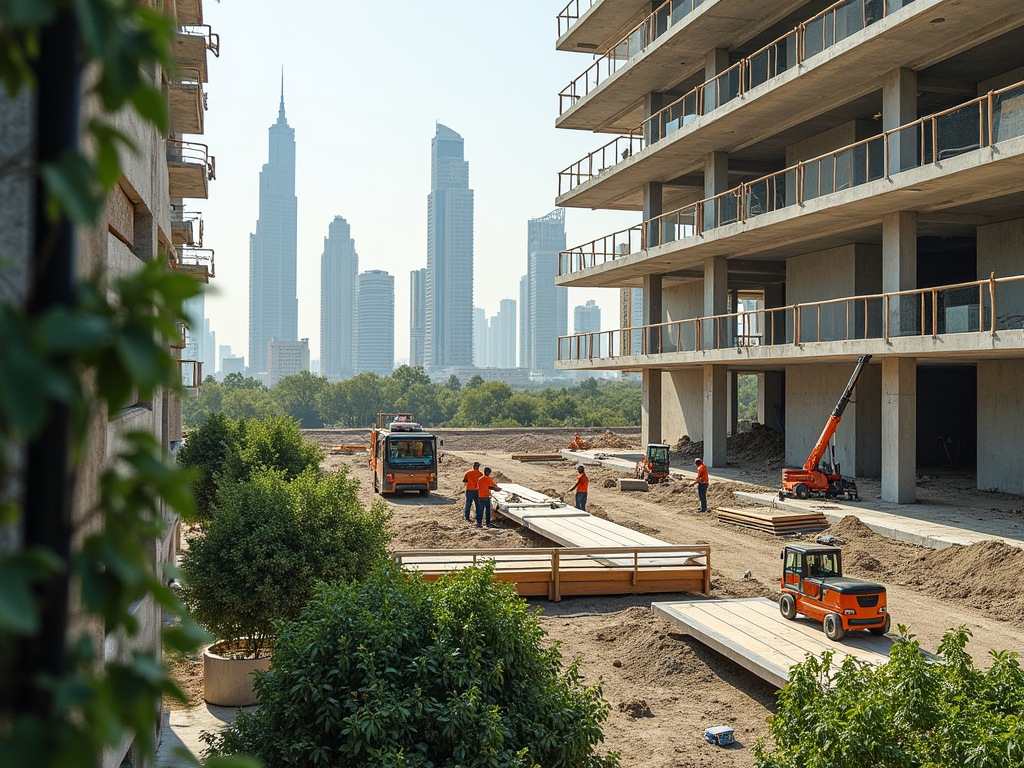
610	440
759	444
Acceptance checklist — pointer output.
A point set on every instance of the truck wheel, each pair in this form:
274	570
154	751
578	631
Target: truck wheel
802	491
787	606
424	492
879	631
834	626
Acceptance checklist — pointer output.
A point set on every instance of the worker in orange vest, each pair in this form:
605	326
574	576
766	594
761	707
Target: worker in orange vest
702	484
471	479
580	486
485	485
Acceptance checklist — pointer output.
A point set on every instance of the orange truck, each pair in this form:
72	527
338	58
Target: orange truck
403	456
813	584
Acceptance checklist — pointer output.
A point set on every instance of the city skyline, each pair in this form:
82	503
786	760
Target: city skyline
339	267
379	178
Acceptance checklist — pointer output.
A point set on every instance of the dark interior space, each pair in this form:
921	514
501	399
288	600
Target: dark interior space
947	416
946	261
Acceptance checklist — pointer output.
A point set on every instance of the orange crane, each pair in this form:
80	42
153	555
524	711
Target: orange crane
823	478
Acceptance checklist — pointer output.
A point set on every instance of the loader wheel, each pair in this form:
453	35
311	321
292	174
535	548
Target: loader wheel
879	631
834	626
787	606
802	491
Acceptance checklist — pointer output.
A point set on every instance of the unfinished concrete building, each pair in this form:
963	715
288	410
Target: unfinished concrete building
817	182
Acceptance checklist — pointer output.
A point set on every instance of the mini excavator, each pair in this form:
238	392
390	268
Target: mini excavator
820	478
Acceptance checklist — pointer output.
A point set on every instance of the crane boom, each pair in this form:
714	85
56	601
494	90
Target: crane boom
818	451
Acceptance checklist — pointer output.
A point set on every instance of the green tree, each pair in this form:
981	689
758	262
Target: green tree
424	402
250	404
481	405
273	443
206	450
238	381
299	397
406	377
395	671
260	557
453	383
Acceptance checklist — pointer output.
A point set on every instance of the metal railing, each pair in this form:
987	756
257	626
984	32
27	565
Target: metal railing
600	160
193	220
666	16
191	372
982	306
195	258
571	14
192	76
821	32
981	122
205	31
192	153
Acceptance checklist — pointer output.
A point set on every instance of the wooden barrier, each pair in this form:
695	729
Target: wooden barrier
555	572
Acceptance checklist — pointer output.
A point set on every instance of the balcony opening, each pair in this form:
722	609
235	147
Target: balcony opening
947	422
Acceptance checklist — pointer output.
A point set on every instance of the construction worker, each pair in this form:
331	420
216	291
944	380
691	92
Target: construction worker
702	484
471	479
483	504
580	486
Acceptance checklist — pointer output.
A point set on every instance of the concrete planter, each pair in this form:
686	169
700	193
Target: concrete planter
228	682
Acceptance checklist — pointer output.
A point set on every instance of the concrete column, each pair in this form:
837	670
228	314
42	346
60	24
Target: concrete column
716	181
716	298
650	414
899	270
899	430
653	207
716	61
771	399
653	103
733	377
715	415
774	331
652	311
899	107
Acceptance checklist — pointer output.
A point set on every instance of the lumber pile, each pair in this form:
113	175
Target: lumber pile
538	457
773	521
339	449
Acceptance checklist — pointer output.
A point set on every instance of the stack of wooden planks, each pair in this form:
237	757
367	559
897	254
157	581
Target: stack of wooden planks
537	457
338	449
773	521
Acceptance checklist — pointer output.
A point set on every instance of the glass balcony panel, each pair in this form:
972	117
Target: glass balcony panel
960	131
1008	114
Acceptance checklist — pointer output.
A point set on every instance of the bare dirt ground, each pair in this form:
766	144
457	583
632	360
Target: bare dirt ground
663	687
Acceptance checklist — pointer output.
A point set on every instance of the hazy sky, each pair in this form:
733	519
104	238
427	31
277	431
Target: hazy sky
364	83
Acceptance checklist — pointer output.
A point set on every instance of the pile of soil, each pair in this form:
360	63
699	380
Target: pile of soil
984	575
611	440
759	444
687	449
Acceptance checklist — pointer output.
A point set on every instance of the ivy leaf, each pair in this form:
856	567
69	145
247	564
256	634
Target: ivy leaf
63	331
18	573
72	187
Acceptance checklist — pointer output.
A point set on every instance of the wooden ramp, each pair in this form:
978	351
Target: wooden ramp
752	632
556	572
774	521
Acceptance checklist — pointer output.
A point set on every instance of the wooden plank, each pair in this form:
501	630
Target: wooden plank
771	521
751	632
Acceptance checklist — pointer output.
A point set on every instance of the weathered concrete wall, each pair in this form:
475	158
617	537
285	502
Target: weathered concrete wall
1001	250
843	135
682	302
849	270
811	393
682	410
1001	425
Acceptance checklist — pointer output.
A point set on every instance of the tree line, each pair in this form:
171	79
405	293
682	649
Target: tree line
355	402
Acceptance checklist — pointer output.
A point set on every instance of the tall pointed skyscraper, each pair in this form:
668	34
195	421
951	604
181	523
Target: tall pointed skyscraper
339	268
449	337
273	302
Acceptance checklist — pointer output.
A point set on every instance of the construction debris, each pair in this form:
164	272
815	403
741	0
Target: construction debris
345	449
538	457
772	521
612	441
632	484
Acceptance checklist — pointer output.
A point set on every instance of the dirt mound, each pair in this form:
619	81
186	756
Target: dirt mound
610	482
636	708
610	440
686	448
759	444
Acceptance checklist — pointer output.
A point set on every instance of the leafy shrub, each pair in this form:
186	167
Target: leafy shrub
907	713
271	541
205	450
398	672
274	443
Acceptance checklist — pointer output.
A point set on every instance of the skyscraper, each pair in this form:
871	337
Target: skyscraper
481	338
417	317
339	267
587	318
548	303
524	321
504	355
449	331
375	322
273	302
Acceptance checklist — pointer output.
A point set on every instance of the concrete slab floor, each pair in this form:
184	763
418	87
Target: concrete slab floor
182	729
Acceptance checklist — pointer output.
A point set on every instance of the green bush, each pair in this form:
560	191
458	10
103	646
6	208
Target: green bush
398	672
910	712
205	450
274	443
260	557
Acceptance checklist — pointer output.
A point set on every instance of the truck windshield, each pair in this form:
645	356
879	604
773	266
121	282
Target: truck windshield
823	564
405	452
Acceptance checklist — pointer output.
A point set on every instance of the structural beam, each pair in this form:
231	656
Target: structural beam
899	430
715	415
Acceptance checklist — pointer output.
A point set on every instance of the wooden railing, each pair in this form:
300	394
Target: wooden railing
972	307
559	571
571	14
981	122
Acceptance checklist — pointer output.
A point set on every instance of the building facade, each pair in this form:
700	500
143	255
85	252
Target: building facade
586	318
339	267
449	306
273	248
548	303
481	338
417	317
854	175
286	358
375	322
503	353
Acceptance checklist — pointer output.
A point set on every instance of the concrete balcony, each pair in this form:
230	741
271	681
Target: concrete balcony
187	102
186	228
190	12
981	319
845	50
191	375
190	47
660	52
594	25
190	169
197	262
971	153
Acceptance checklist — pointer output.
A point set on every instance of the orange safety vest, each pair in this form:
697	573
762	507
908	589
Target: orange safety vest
471	479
